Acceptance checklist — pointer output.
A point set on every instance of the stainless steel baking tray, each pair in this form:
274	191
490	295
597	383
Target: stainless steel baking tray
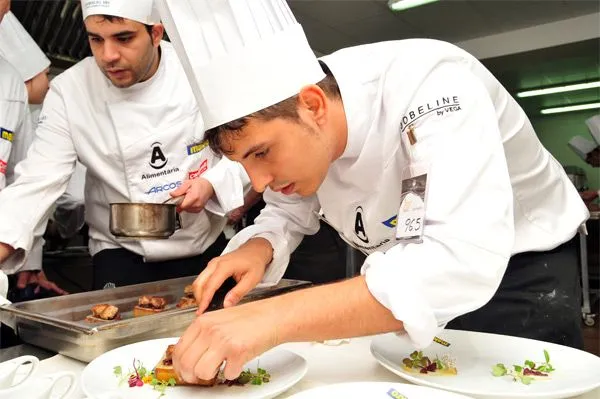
58	323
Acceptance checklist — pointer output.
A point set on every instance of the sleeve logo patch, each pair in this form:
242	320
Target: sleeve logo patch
439	107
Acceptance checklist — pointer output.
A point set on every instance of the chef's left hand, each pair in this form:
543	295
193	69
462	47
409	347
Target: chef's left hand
197	193
236	335
39	279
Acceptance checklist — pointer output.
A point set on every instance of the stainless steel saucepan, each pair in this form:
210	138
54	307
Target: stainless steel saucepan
145	220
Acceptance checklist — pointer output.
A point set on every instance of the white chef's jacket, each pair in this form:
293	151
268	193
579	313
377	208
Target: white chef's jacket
494	190
137	143
16	131
14	114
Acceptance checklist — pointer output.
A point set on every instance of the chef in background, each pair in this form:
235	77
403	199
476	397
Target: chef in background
589	152
343	139
21	51
129	116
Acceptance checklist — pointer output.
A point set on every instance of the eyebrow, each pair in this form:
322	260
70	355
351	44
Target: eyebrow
252	149
117	35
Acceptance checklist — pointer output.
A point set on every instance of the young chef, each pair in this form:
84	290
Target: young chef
128	114
345	136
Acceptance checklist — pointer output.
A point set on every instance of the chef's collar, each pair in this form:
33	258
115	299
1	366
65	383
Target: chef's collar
138	87
355	106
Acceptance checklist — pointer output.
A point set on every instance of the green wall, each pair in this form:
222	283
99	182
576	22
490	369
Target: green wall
555	131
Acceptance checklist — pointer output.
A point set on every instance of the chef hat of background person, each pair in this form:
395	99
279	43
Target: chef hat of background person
137	10
582	146
593	125
19	48
240	56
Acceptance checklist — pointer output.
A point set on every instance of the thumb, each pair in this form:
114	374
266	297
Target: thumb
237	293
185	185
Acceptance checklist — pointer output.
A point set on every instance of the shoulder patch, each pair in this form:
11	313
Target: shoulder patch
6	134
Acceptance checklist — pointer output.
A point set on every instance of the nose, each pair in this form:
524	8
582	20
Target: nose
260	178
110	52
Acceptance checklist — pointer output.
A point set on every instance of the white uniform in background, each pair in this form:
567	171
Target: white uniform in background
137	144
20	50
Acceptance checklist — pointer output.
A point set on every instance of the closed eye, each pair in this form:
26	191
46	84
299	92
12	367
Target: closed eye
261	154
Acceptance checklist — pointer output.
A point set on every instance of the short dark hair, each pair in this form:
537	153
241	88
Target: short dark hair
112	18
287	109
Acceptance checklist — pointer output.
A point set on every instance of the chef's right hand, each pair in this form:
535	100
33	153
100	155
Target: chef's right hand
246	265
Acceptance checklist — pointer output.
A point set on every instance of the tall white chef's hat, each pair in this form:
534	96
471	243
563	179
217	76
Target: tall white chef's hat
582	146
19	49
137	10
240	55
593	125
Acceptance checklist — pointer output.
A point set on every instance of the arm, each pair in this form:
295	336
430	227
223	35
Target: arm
227	179
283	223
40	179
469	226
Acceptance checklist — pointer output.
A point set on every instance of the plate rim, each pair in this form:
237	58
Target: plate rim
300	376
526	395
411	386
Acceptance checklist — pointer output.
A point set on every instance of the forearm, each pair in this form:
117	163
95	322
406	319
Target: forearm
340	310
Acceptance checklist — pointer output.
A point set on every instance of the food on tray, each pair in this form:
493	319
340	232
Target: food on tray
149	305
103	312
417	363
187	300
164	370
526	373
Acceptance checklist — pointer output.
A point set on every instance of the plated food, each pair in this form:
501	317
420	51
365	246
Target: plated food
526	373
417	363
163	371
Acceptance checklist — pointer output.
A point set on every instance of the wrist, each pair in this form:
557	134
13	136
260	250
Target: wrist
262	249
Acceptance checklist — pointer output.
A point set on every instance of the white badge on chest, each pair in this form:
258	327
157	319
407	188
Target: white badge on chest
413	199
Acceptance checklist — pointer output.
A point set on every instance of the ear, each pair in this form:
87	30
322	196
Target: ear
158	31
313	100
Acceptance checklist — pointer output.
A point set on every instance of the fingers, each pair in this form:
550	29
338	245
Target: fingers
209	364
245	285
23	280
49	285
185	185
188	350
210	286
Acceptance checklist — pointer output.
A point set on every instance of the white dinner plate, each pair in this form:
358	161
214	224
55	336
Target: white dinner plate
576	372
376	390
98	381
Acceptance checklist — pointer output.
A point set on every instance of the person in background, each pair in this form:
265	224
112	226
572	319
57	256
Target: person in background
21	51
343	140
129	116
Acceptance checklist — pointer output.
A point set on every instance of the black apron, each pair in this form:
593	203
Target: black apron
539	298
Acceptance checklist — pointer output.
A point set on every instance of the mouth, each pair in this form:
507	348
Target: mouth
116	73
287	190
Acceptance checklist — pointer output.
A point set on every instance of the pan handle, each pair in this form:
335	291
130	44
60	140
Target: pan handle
174	200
